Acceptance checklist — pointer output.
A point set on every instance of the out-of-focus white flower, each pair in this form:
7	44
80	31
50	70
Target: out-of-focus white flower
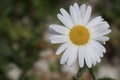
46	53
13	72
71	70
41	66
107	70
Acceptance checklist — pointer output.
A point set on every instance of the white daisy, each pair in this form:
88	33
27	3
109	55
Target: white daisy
80	37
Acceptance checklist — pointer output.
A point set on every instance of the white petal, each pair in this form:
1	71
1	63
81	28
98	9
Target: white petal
100	38
81	57
102	42
65	56
94	21
83	10
106	32
67	16
97	49
91	54
58	39
64	21
101	47
73	14
62	48
60	29
88	61
72	55
102	26
77	9
94	55
87	57
87	15
76	6
94	58
96	33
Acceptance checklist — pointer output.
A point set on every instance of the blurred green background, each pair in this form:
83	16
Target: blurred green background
25	52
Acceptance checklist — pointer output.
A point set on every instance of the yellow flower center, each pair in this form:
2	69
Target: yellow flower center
79	35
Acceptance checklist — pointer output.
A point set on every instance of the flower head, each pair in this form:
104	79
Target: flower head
81	39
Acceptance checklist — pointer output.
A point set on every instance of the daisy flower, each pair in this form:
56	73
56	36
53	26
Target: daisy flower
81	38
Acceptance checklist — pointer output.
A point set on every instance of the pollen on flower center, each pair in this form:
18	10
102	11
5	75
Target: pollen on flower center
79	35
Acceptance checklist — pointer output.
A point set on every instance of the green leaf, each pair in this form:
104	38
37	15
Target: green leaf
106	79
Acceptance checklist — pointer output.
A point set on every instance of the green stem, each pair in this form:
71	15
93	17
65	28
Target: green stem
80	72
92	74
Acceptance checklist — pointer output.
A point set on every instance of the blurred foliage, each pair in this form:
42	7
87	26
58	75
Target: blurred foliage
22	25
110	9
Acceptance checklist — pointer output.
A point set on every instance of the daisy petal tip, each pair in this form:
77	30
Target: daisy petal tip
90	8
51	41
89	66
53	27
61	9
75	4
101	56
57	53
83	5
99	60
104	51
59	15
50	38
100	17
110	31
71	7
50	26
81	65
